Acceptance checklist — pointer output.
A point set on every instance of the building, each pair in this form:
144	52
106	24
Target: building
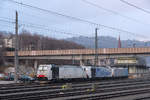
9	42
134	64
140	61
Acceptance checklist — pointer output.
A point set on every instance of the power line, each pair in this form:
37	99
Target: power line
75	18
42	27
30	14
38	26
146	11
6	26
113	12
52	30
6	18
6	21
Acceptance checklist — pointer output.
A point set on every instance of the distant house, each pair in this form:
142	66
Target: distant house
9	42
140	61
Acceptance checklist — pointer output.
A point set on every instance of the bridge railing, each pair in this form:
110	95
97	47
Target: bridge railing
81	52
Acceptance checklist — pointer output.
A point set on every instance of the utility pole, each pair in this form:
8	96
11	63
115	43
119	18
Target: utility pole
16	49
96	48
134	44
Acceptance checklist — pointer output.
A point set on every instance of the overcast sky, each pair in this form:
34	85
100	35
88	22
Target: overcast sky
80	9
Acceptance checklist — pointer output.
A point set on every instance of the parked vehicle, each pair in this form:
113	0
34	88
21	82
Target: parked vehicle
26	78
9	76
2	76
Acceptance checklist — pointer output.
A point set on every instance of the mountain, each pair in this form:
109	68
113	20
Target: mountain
107	42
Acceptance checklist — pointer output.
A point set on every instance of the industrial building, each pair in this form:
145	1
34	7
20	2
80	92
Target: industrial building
135	65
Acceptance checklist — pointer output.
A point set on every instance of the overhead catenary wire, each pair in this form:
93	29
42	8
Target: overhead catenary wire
3	25
37	26
20	21
22	13
77	19
52	30
47	28
139	8
7	21
44	27
41	27
114	12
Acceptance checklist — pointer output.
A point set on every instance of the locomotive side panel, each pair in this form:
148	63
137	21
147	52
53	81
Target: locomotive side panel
71	72
102	72
119	72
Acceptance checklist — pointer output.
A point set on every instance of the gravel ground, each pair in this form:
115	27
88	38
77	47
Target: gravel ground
133	97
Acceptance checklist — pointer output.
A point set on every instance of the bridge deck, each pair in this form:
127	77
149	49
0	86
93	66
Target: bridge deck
104	51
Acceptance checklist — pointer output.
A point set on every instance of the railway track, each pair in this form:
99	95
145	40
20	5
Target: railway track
51	94
49	82
111	95
58	86
143	98
86	85
46	92
18	86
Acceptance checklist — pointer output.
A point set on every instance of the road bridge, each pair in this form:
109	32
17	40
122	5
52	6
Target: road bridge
78	54
83	56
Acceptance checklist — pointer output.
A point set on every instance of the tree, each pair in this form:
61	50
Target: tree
29	41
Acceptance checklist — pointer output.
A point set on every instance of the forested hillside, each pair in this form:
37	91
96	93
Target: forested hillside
30	41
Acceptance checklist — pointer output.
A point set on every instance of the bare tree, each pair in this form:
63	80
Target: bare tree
29	41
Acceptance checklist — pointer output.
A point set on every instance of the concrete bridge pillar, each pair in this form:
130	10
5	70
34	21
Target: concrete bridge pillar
92	62
88	62
73	60
26	63
35	66
99	63
81	62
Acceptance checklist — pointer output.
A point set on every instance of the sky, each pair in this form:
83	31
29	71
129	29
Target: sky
49	24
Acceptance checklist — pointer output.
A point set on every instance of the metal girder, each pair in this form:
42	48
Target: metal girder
79	57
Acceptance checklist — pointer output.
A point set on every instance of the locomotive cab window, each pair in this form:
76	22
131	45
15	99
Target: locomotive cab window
45	68
40	68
